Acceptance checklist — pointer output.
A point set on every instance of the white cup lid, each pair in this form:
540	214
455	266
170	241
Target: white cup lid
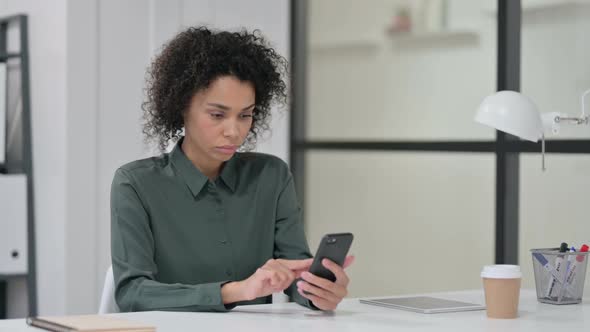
501	271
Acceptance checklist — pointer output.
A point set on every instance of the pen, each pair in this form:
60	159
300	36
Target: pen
545	264
571	273
559	267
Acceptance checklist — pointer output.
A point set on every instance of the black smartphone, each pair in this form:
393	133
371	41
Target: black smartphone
333	247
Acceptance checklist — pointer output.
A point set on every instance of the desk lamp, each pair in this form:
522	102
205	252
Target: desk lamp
516	114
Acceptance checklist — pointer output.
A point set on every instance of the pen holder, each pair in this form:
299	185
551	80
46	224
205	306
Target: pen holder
559	276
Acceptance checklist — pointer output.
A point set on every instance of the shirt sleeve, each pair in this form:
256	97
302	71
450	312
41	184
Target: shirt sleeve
290	242
134	269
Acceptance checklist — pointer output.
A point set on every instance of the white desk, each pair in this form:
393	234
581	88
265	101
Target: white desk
354	316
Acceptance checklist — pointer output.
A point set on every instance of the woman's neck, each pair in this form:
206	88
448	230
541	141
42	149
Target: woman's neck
209	168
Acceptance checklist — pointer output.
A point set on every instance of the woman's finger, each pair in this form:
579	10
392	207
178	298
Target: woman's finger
341	277
271	275
318	281
296	264
317	301
348	261
319	292
326	284
287	276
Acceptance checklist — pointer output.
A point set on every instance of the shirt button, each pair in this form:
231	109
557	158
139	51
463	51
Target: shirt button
228	272
223	241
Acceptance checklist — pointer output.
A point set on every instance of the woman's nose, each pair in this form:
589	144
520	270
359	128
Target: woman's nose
231	129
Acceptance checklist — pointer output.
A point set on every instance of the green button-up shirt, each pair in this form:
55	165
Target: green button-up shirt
177	237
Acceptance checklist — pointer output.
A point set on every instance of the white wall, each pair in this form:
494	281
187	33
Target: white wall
81	272
553	206
88	61
555	75
423	222
124	52
365	84
553	203
47	46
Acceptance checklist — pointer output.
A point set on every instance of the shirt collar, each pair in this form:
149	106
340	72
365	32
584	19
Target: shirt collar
193	177
229	172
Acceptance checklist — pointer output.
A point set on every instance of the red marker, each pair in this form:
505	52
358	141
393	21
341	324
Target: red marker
580	258
571	272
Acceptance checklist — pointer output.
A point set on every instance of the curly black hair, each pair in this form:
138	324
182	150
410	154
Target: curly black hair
195	58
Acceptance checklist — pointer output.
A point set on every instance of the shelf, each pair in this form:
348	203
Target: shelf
449	37
541	6
6	56
533	5
344	45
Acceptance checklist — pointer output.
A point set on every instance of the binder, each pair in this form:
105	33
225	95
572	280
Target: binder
88	323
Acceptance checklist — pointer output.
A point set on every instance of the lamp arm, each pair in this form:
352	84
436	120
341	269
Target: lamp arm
543	168
583	119
584	116
571	119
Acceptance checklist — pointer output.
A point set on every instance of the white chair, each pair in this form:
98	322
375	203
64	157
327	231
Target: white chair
107	300
279	298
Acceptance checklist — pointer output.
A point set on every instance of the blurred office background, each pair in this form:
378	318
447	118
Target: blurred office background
377	89
382	84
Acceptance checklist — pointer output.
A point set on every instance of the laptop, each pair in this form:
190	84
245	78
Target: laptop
424	304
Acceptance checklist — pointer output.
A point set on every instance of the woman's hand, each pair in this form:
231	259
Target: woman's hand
325	294
274	276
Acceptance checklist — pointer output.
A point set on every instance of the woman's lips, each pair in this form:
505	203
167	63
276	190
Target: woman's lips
227	149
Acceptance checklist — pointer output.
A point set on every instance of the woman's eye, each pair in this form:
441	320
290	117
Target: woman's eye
216	115
245	116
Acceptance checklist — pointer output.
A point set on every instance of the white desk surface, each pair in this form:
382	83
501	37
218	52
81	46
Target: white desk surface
351	315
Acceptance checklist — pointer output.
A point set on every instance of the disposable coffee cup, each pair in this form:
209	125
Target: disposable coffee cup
501	285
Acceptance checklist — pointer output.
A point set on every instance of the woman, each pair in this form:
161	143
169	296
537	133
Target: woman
204	227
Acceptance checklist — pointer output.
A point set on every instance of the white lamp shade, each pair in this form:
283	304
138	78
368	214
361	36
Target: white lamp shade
513	113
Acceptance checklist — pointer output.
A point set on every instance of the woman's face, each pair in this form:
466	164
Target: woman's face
219	118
